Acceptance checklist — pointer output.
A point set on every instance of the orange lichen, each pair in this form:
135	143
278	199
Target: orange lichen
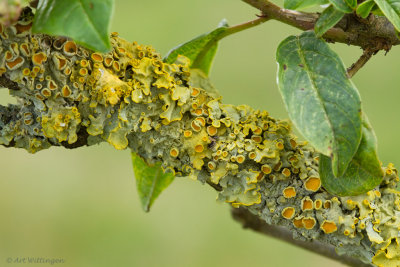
83	72
67	71
327	204
195	92
26	72
195	126
116	67
312	184
298	222
187	133
286	172
66	91
198	112
288	213
174	152
39	58
22	27
201	121
46	92
252	155
108	61
240	159
257	131
199	148
309	223
70	48
84	63
60	61
328	227
211	165
96	57
289	192
318	204
211	130
307	204
266	169
25	49
256	138
260	176
15	64
293	143
280	146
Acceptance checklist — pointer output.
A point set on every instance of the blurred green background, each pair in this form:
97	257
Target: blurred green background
81	205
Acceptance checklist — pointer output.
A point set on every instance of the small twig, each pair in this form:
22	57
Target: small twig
249	220
367	54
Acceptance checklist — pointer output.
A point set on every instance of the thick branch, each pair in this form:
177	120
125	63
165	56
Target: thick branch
377	32
170	113
253	222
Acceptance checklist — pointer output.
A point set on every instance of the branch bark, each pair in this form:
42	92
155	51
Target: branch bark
253	222
377	33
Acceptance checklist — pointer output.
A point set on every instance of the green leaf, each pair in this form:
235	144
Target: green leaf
365	8
329	17
364	171
200	50
377	11
341	5
351	3
150	180
321	101
391	9
302	4
85	21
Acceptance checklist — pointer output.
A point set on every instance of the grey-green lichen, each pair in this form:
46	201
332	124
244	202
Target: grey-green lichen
131	99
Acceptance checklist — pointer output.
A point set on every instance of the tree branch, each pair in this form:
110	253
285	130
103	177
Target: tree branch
253	222
367	54
129	98
376	33
7	83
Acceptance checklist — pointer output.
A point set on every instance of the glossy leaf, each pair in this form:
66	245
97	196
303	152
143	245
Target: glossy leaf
365	8
391	9
363	174
351	3
150	180
200	50
85	21
302	4
341	5
329	17
321	101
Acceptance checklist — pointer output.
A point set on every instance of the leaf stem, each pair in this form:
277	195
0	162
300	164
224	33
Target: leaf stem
243	26
229	31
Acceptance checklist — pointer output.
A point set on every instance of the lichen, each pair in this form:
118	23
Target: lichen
167	112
